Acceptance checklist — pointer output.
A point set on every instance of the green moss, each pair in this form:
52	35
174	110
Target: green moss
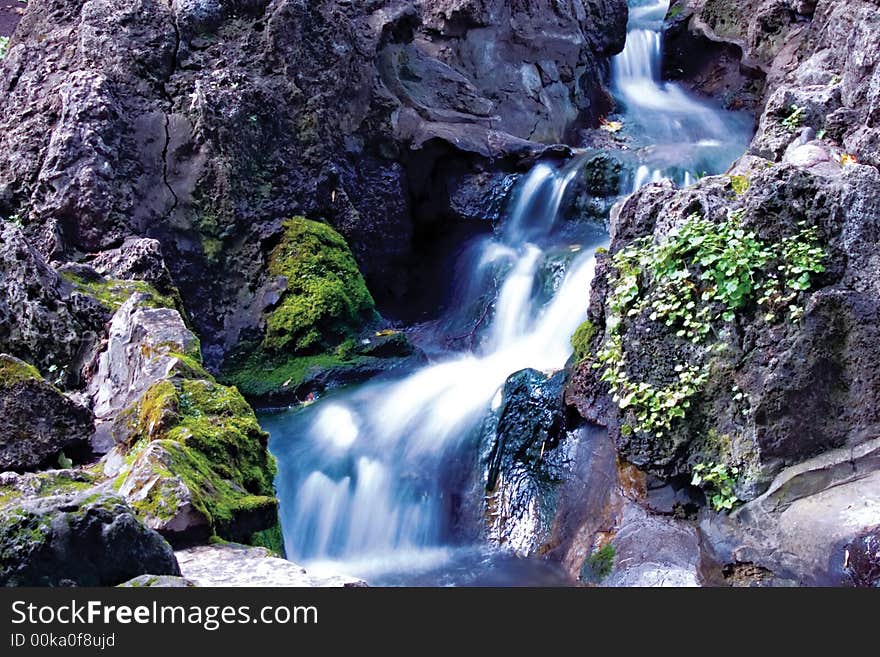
326	298
599	564
272	539
212	442
739	184
581	339
13	370
674	11
112	293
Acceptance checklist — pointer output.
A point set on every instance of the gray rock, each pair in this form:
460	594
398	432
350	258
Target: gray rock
75	536
37	421
145	345
138	259
158	581
231	564
806	528
36	323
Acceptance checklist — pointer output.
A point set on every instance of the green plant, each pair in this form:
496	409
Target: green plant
739	184
4	44
795	118
692	281
599	564
719	483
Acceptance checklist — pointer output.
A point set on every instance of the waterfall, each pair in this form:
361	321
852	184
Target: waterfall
361	477
677	135
369	476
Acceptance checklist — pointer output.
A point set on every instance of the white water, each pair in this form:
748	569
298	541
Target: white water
677	136
363	479
369	478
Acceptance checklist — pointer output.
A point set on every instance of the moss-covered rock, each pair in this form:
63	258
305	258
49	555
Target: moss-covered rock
326	300
56	530
198	464
38	422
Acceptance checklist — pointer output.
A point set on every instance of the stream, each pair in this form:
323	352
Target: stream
371	478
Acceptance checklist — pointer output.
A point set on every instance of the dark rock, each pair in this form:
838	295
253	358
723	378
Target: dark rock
138	259
37	422
862	559
76	538
36	322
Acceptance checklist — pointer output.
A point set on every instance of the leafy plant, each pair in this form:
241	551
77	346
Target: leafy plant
795	118
719	483
4	44
693	281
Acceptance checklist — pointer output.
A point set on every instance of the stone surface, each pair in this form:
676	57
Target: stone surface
37	422
71	534
145	345
231	564
158	581
808	526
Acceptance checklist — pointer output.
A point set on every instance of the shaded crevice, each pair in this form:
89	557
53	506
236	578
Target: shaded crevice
170	107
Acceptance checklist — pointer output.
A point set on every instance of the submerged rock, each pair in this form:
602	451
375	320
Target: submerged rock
230	564
37	422
56	530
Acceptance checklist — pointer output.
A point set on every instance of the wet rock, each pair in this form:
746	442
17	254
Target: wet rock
75	536
239	565
145	345
525	455
37	422
813	525
862	559
654	551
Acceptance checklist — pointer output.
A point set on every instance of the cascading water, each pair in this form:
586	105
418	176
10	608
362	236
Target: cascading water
369	476
366	476
676	136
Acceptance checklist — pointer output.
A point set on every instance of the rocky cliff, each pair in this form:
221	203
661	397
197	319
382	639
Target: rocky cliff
733	323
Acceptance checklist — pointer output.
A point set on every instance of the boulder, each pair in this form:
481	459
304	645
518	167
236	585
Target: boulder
231	564
38	423
145	345
158	581
70	534
815	526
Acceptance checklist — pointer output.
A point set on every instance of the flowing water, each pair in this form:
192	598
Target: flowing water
371	478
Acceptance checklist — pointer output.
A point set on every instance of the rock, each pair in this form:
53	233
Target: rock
138	259
525	457
158	581
204	126
654	551
37	422
76	537
36	323
813	525
145	345
230	564
195	463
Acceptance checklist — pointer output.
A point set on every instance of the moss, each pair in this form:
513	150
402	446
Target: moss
739	184
212	443
272	539
259	376
112	293
581	339
326	299
13	370
599	564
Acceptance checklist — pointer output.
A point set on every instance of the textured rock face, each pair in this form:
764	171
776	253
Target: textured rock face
789	395
68	534
37	422
145	345
203	125
36	322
